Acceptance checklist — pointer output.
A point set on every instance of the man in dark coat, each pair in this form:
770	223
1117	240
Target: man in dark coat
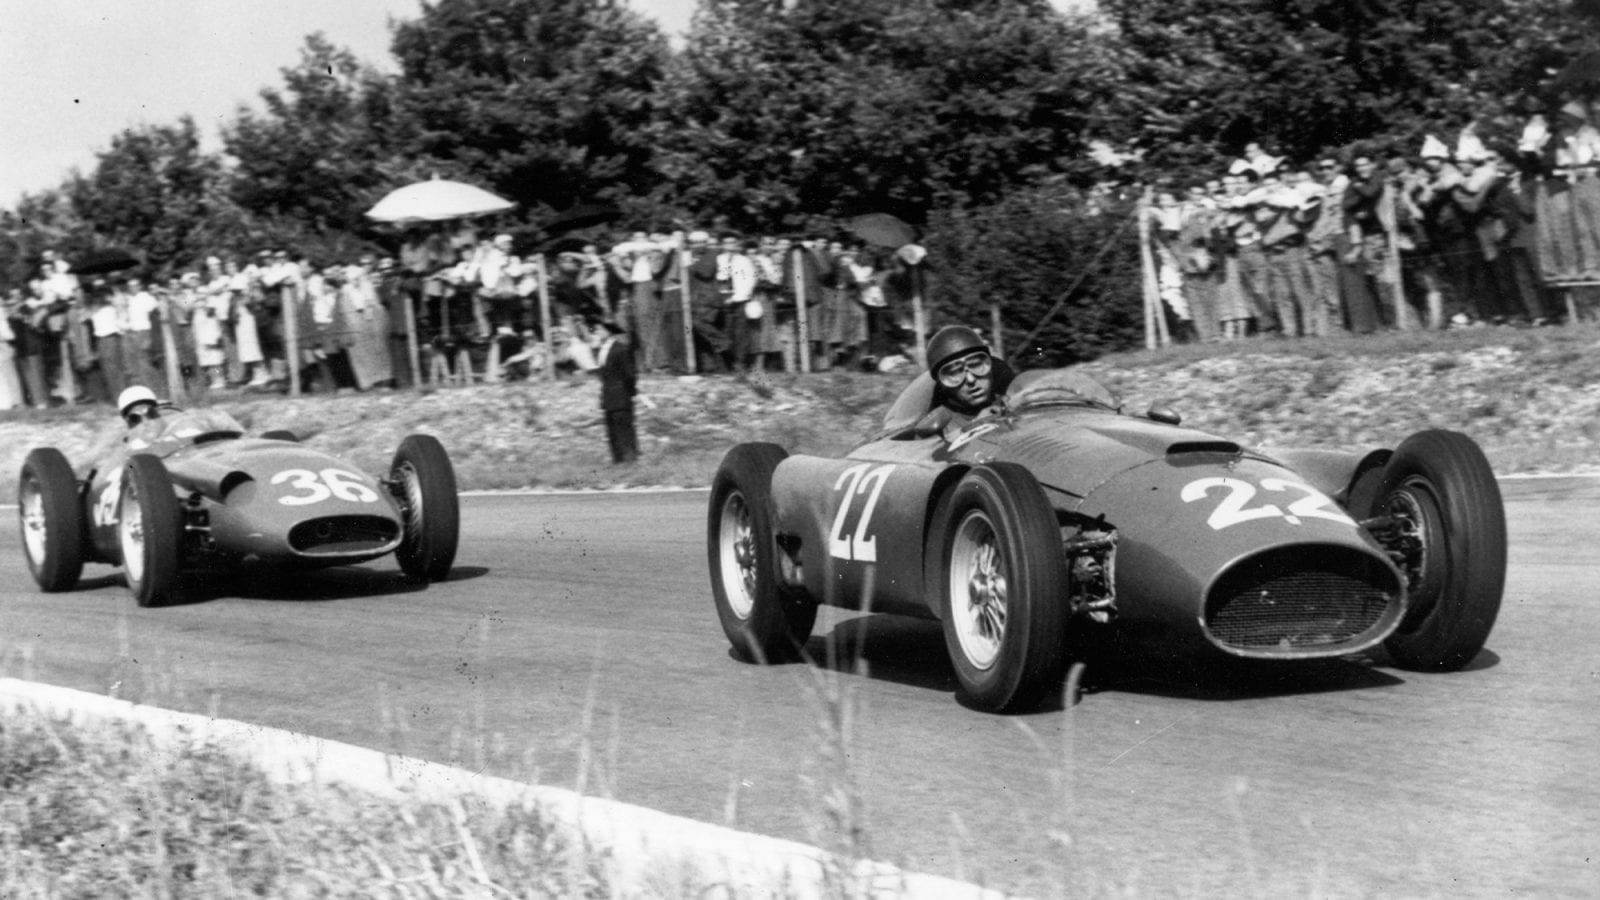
617	389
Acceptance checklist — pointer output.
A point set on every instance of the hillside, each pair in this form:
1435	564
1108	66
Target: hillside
1530	397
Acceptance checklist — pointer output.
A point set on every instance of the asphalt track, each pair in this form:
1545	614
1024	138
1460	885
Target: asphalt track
576	644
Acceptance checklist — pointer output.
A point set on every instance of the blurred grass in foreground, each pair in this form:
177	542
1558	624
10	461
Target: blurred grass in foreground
96	812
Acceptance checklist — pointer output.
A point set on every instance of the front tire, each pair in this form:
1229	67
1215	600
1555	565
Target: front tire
150	531
51	515
1439	489
765	620
430	507
1002	578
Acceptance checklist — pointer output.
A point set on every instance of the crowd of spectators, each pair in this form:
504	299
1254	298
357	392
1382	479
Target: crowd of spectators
1473	234
1452	236
452	306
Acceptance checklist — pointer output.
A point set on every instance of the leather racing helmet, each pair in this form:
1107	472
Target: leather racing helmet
136	394
950	342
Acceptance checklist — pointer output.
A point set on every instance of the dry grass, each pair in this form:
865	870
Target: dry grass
102	813
1531	397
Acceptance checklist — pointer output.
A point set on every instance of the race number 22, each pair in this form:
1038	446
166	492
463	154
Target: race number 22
1234	506
857	481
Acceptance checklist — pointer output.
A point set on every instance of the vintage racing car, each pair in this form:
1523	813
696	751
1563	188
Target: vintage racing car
193	492
1039	529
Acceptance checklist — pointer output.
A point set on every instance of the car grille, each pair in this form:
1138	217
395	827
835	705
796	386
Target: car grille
340	535
1302	601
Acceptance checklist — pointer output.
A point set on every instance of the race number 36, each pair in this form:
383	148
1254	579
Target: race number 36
314	487
1235	496
857	481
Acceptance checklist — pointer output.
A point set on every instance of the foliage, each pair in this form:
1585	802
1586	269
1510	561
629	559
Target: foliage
785	113
306	168
1204	77
151	193
1033	249
981	119
546	102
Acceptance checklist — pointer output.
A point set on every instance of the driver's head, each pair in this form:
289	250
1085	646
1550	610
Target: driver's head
962	369
136	404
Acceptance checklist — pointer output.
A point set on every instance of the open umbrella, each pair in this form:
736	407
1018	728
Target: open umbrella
436	200
582	216
103	260
882	230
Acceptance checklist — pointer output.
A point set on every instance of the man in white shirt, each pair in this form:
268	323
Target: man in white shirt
140	343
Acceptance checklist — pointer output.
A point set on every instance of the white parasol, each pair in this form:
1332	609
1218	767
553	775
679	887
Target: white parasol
436	200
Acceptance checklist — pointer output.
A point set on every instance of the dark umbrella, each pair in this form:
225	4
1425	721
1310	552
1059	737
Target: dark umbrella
106	259
582	216
882	230
1582	72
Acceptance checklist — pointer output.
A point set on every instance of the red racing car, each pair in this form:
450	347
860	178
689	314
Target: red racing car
1063	517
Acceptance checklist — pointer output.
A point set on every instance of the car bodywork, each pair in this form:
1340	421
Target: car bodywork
250	500
1171	534
188	490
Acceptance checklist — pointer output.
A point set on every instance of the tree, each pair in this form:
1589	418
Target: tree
1204	77
150	192
320	154
787	112
548	101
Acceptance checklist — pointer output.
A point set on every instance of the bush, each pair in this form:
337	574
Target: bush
1032	249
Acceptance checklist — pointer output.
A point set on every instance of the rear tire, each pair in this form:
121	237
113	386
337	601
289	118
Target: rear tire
765	620
1440	486
150	531
280	434
1002	579
51	515
430	508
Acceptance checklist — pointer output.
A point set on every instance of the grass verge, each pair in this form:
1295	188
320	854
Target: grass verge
1530	397
100	812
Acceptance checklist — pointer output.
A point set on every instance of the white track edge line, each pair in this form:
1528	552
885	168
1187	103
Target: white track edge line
642	842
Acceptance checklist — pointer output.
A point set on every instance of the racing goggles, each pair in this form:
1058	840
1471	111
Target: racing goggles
952	374
141	414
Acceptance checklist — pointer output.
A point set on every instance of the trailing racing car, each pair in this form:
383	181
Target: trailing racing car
1031	531
189	491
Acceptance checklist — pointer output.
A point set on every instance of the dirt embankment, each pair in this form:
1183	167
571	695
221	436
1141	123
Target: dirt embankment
1532	399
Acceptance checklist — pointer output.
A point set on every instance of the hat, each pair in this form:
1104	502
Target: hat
502	239
1576	109
136	394
1470	148
613	327
1240	166
1433	148
950	342
1266	165
698	237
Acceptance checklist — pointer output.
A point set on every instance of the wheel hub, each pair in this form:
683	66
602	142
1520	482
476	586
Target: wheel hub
738	555
978	589
34	537
986	595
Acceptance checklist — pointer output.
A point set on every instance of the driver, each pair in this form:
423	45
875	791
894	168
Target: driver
138	405
964	375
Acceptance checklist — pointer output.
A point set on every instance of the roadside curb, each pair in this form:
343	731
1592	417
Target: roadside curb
640	844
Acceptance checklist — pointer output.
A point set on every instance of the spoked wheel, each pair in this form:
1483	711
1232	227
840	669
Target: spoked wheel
1002	580
52	520
765	620
1447	529
430	506
150	531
